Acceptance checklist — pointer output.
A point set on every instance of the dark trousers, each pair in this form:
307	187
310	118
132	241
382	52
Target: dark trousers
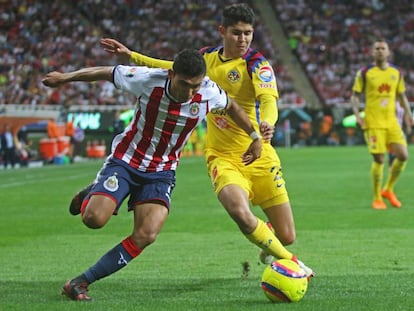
9	157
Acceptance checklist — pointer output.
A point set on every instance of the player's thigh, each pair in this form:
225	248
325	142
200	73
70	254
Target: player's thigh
268	185
376	140
224	172
99	209
281	218
398	143
113	185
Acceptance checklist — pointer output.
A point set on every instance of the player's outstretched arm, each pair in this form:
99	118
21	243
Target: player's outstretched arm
240	117
117	48
55	78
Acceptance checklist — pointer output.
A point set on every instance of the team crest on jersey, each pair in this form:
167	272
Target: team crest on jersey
194	109
111	183
131	72
233	76
266	74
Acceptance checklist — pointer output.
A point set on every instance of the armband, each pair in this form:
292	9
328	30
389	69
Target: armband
254	135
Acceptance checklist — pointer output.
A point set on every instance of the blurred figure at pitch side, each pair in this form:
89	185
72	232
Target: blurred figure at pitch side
8	147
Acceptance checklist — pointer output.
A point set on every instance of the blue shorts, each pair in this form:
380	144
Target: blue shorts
116	180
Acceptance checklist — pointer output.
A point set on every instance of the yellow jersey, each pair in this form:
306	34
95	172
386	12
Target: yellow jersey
380	87
244	79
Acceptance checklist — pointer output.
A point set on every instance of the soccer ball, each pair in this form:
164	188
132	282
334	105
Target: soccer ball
284	281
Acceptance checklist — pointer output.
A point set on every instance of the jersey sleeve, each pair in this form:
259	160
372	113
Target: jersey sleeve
358	83
264	80
401	85
268	109
130	78
219	98
143	60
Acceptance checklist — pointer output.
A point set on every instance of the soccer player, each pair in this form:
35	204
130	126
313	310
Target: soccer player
248	77
382	83
170	105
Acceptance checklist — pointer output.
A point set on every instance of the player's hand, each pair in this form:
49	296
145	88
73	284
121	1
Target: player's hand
360	121
253	152
117	48
267	131
53	79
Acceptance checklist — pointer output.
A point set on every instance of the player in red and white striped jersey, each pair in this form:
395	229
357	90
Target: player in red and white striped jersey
170	105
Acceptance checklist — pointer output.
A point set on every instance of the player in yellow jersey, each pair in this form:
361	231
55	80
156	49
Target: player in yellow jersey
248	77
382	84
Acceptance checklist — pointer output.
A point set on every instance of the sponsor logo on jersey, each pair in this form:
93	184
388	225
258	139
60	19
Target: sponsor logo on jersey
266	85
111	183
131	72
265	74
221	123
218	111
233	76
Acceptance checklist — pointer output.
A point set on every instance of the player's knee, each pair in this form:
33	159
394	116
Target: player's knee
288	239
143	238
94	220
402	157
245	219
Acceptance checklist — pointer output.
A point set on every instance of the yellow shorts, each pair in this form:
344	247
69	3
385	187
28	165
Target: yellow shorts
379	139
262	180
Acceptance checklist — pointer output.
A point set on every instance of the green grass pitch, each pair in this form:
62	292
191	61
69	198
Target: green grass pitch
363	258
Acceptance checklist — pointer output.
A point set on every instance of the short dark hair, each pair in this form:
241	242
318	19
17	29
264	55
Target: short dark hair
189	63
239	12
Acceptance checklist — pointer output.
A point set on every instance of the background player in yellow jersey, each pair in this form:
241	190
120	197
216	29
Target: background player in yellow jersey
382	84
248	78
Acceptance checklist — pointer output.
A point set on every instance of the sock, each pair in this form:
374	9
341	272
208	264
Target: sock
376	177
395	171
263	237
83	206
112	261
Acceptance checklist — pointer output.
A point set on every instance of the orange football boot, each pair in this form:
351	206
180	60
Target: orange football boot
378	204
390	196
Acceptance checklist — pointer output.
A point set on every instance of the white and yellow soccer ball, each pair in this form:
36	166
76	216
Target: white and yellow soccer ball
284	281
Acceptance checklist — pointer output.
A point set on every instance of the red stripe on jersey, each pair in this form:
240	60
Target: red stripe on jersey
150	120
123	145
166	134
188	128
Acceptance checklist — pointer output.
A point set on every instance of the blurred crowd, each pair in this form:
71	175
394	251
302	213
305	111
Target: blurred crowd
332	39
41	36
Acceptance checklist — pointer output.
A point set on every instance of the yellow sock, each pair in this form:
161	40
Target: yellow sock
396	169
263	237
376	177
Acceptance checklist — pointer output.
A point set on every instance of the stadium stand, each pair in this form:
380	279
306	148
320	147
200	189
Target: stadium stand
41	36
332	39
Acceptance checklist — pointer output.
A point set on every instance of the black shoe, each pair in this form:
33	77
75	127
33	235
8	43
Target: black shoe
76	203
76	290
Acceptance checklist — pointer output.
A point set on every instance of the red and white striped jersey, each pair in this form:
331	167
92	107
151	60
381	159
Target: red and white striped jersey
153	141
